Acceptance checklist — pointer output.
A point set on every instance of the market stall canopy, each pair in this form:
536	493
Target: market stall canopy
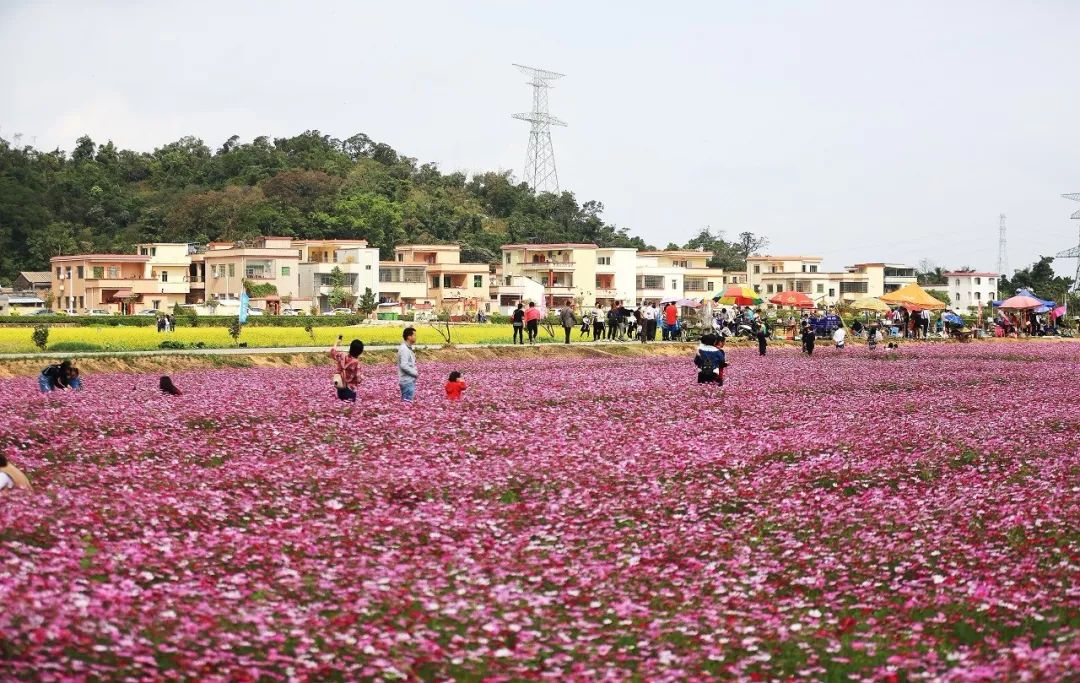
870	303
1024	291
796	299
670	299
739	295
952	318
689	303
912	294
1021	303
121	294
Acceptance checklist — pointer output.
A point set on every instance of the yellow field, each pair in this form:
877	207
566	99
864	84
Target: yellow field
18	339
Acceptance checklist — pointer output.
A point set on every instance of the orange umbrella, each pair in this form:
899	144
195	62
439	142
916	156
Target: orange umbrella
796	299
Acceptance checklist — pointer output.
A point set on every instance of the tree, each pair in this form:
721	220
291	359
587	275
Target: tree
338	295
749	243
1040	278
941	296
367	303
235	328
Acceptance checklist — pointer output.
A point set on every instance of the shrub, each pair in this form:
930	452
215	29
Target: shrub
235	329
171	344
41	336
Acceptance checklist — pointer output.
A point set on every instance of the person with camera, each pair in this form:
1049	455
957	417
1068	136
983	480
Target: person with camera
347	377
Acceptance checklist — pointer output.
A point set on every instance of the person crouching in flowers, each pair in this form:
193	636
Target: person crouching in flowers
167	387
347	377
711	359
455	386
11	477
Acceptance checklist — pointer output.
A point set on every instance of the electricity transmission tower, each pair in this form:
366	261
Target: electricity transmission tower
1075	251
1003	260
540	172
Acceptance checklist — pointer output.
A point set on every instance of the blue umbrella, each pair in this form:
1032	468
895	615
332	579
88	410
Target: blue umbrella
952	318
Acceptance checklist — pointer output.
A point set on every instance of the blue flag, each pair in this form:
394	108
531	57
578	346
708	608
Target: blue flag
244	303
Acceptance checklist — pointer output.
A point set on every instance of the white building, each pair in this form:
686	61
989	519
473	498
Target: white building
969	290
318	258
682	273
616	272
512	290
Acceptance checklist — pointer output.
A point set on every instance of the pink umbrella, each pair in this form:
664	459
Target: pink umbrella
1020	303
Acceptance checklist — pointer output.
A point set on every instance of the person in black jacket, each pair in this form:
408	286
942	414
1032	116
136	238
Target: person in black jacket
57	377
518	321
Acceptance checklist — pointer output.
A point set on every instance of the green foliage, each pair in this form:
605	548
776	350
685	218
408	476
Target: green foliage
1039	277
75	347
41	336
102	199
338	296
259	290
177	310
235	329
367	303
943	297
173	344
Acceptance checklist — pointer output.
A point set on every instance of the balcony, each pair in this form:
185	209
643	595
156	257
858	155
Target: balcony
147	286
549	265
451	293
606	292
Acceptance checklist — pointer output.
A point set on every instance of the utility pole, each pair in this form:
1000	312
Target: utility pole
1003	260
540	172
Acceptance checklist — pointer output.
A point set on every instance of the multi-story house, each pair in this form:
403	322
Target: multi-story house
456	287
566	271
266	260
679	274
358	262
970	290
770	275
117	283
432	275
616	276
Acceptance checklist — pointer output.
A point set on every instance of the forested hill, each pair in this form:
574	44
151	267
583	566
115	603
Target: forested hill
100	198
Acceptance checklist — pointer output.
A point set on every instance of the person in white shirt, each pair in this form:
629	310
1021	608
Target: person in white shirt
648	314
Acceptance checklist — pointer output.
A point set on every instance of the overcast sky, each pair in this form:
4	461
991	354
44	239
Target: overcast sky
855	130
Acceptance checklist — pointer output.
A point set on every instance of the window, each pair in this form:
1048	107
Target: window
993	295
143	251
447	281
285	270
232	270
79	272
978	295
832	291
813	269
772	269
401	258
990	281
602	260
164	276
853	288
768	289
978	280
757	269
114	272
67	273
680	264
59	274
674	284
757	288
477	280
155	304
367	267
820	288
650	281
708	286
507	258
957	282
82	302
434	281
153	251
99	272
804	267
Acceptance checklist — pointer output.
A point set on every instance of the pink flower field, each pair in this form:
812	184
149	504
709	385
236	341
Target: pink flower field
848	516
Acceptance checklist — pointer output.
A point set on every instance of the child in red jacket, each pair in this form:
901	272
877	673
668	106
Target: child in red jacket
454	386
